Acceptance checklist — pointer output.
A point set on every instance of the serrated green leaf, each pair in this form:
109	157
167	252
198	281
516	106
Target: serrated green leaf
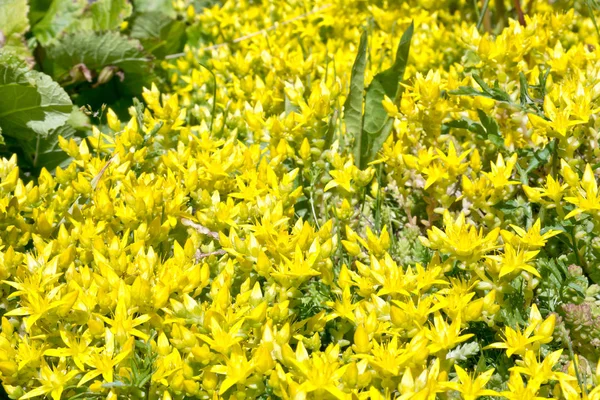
62	16
31	103
97	50
353	107
124	58
158	33
109	14
164	7
376	123
13	26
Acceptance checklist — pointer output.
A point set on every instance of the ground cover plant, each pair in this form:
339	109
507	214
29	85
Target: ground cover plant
299	199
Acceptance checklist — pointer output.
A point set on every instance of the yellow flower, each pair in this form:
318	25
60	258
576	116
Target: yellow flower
52	380
586	198
462	240
426	385
103	362
520	391
540	372
559	120
517	342
320	372
444	336
531	239
236	369
469	388
514	260
77	348
501	172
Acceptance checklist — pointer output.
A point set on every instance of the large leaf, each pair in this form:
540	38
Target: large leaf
353	107
97	50
118	68
31	103
62	16
37	10
386	83
13	26
109	14
158	33
45	151
376	123
162	6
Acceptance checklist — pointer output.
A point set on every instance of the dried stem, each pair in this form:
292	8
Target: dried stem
253	34
200	228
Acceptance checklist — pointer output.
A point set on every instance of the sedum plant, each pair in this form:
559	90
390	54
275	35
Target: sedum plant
318	200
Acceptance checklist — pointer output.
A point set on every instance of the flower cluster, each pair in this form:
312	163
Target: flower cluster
221	242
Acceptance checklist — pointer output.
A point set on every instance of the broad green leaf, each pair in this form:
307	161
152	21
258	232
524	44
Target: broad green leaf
158	33
62	16
13	26
119	66
37	10
377	125
386	83
162	6
353	107
31	103
46	151
97	50
109	14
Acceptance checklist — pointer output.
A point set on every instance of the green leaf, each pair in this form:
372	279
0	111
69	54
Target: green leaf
158	33
37	10
524	96
493	93
463	123
492	130
487	129
110	58
109	14
97	50
164	7
386	83
46	152
353	107
63	15
31	103
13	26
331	129
377	124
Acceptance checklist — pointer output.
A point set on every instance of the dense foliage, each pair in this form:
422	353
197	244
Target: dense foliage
299	199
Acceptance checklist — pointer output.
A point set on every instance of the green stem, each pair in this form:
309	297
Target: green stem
378	201
484	9
575	363
312	207
476	9
593	17
554	164
214	107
